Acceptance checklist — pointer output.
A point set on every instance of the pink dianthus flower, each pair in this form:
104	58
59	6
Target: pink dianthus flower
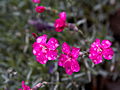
60	23
62	16
68	59
24	87
45	51
36	1
99	50
40	9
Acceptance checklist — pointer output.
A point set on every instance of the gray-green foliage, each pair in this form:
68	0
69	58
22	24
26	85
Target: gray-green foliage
17	62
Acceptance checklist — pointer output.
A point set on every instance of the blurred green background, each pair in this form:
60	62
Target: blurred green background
18	20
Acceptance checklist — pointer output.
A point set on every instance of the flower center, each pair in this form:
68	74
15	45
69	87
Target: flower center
44	49
99	50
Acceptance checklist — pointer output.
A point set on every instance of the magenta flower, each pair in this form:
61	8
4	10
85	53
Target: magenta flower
62	15
45	51
97	51
60	23
68	59
36	1
40	9
24	87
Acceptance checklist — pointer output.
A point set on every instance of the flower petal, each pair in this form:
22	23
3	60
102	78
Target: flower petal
75	66
68	71
24	87
97	60
23	84
62	59
52	44
36	48
42	39
75	52
65	48
96	43
106	43
108	53
67	66
62	15
51	55
42	58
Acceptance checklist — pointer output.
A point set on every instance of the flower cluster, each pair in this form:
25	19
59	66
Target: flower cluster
68	59
45	51
60	23
99	50
24	87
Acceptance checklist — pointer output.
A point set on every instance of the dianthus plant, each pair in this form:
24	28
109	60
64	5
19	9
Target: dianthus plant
46	49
